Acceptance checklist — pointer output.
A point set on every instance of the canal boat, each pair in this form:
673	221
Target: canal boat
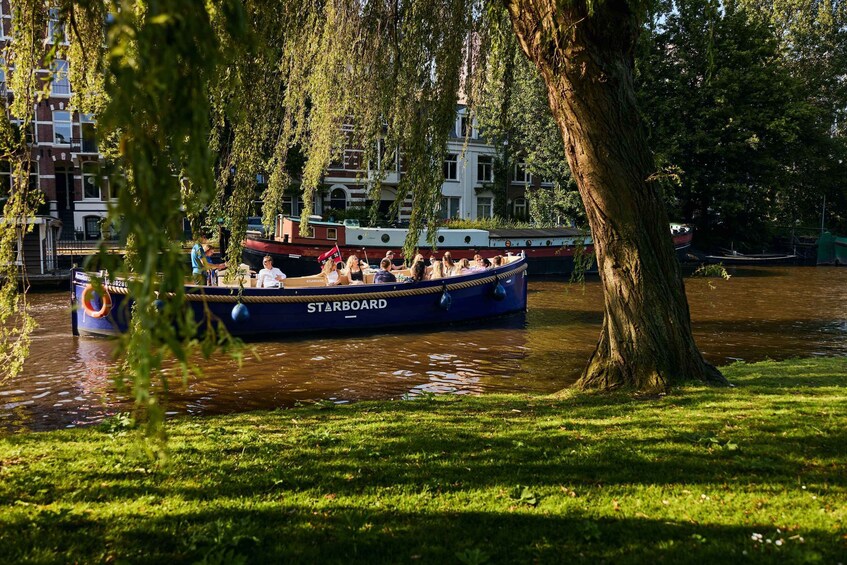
550	251
733	258
306	304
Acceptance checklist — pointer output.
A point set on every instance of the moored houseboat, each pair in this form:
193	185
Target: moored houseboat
306	304
549	251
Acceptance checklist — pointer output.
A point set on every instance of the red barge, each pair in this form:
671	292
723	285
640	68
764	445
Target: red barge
548	251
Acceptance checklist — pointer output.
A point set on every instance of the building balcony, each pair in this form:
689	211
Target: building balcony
84	145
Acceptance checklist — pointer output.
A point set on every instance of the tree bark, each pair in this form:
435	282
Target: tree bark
586	60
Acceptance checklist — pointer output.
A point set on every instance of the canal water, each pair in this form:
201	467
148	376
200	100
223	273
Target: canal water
759	313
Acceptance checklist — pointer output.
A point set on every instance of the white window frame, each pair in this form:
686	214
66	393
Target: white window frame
332	233
484	203
521	176
519	203
6	173
446	206
6	21
6	176
451	167
484	170
343	191
54	21
61	85
70	125
348	158
89	178
464	125
87	119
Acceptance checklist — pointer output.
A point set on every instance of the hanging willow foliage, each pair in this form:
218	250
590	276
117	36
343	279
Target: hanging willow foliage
194	101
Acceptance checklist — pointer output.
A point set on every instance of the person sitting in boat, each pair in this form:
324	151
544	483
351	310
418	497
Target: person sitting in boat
198	259
353	270
211	268
390	256
463	267
477	261
383	275
497	261
433	259
330	273
449	265
486	264
437	271
418	271
269	276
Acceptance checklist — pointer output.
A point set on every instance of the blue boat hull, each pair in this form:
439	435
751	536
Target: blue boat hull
338	308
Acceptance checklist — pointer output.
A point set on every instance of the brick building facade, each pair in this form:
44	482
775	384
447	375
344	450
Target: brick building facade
65	156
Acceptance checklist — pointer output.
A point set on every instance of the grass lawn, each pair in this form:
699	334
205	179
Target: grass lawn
753	474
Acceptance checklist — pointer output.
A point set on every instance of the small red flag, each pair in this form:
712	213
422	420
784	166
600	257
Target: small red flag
333	253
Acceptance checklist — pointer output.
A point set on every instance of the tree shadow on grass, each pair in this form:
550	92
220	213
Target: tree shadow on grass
281	532
265	486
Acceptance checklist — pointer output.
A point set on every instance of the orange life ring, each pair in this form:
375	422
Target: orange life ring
105	307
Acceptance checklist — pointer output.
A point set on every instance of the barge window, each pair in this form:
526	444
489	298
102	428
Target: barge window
331	233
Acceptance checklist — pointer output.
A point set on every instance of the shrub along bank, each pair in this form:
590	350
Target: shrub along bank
754	474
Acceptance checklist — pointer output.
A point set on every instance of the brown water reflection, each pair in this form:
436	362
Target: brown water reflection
760	313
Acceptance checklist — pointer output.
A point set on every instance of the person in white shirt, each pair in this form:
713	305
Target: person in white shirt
330	273
269	276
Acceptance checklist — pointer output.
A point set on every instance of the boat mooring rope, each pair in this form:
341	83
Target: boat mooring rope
251	299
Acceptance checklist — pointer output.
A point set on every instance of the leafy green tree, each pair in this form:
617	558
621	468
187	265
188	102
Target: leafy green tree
515	117
175	72
724	105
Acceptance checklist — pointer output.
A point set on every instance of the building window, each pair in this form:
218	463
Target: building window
62	127
353	159
519	207
61	83
521	176
294	206
449	207
5	22
331	233
90	182
5	178
466	128
88	129
338	199
484	169
55	27
484	206
92	227
451	167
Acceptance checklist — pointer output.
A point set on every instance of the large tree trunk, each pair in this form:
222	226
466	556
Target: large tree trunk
586	62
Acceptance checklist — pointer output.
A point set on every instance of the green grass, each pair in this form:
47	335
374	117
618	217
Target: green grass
753	474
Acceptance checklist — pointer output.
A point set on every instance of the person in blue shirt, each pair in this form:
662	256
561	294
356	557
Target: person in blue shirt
383	275
198	260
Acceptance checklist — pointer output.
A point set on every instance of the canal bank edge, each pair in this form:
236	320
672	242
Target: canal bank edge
755	473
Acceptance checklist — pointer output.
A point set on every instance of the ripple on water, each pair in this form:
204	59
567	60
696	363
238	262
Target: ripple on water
789	313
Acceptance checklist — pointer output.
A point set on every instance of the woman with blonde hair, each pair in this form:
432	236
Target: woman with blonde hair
437	271
353	271
330	273
463	267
